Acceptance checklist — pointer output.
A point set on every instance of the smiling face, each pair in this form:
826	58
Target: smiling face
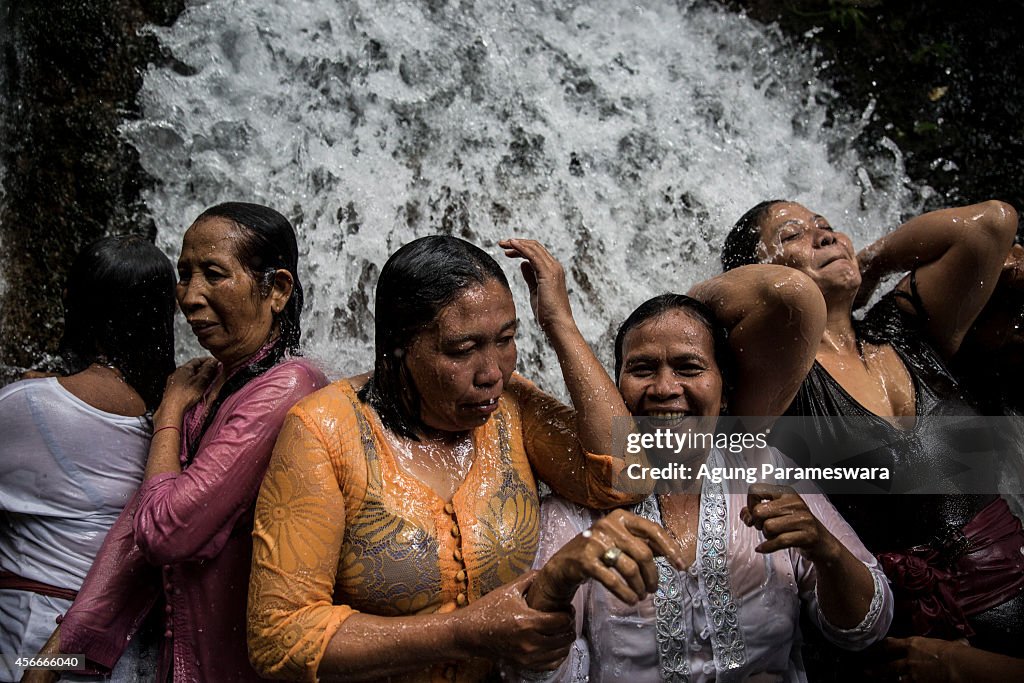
462	362
669	368
222	302
792	235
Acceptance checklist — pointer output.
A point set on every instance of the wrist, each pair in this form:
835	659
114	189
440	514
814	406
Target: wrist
168	415
562	330
827	554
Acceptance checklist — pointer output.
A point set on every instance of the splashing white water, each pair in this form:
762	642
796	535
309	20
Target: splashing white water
627	139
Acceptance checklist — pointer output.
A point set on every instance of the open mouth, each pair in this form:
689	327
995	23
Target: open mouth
483	407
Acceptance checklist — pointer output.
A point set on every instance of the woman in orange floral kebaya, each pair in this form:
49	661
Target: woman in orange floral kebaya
400	513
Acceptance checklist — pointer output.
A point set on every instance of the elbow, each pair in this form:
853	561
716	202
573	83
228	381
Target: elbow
792	295
158	551
163	542
269	650
996	224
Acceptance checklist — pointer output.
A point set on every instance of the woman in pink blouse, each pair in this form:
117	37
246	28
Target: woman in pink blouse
186	536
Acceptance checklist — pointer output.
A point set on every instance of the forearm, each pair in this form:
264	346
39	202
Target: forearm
166	444
988	226
368	647
970	665
844	587
594	395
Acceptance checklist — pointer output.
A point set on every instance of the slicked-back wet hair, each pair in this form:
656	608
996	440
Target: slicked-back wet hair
663	303
419	280
740	248
267	244
119	309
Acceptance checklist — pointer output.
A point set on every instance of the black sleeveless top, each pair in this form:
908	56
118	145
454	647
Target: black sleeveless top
896	523
892	522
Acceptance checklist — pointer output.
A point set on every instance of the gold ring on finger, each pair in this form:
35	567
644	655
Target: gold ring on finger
611	556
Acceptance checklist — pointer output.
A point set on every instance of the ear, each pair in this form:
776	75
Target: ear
280	290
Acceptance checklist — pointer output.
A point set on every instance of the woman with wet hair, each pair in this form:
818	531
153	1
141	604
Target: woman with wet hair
753	554
186	536
953	557
75	446
399	514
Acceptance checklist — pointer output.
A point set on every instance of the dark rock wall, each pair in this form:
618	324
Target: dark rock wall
71	72
947	79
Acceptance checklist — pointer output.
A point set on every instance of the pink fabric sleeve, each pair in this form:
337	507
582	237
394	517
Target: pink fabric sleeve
189	516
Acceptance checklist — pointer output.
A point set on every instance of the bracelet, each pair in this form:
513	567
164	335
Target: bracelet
167	427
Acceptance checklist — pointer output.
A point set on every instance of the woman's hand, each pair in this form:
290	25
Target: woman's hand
184	388
502	625
870	277
783	517
919	659
931	660
545	277
618	551
844	586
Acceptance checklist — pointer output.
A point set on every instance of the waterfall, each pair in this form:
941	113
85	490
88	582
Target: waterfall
627	138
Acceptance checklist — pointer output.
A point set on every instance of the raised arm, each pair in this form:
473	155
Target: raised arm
775	317
594	395
956	255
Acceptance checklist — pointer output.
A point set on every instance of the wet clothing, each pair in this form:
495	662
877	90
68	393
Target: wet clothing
952	556
341	527
733	615
66	471
187	538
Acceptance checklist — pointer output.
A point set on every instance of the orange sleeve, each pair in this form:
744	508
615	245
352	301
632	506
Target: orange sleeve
555	453
297	537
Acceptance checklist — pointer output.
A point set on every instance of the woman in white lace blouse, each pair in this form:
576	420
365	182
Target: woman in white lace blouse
755	553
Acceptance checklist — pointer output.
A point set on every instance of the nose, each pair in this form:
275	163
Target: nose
488	373
823	237
665	386
190	296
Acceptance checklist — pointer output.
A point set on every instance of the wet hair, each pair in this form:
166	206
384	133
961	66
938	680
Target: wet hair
267	244
659	305
415	284
740	248
119	310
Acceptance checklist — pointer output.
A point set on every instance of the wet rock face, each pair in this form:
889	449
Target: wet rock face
70	75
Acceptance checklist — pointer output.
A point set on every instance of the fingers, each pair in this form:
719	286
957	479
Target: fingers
782	516
792	539
639	539
658	539
765	501
535	253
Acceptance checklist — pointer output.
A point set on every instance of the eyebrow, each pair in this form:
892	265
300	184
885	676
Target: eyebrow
205	263
511	324
676	358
